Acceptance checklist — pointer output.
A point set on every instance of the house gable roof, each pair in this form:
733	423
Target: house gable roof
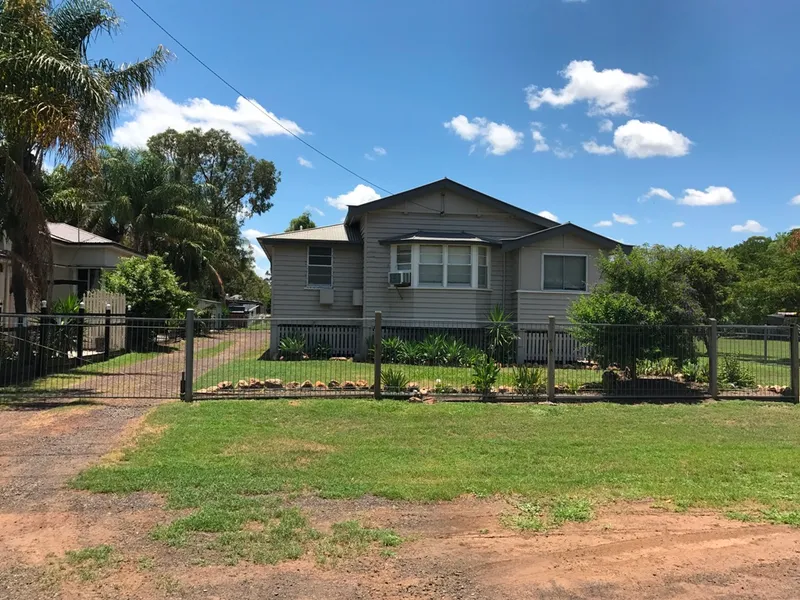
338	233
566	229
64	233
354	212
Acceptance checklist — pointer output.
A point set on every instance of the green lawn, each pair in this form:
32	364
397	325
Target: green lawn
238	464
717	454
341	371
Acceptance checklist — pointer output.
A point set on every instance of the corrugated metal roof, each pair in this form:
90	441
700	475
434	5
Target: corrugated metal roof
75	235
329	233
441	237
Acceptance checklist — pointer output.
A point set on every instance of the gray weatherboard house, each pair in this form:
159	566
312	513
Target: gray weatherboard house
441	251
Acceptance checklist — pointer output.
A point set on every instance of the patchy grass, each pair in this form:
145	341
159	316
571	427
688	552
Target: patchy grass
213	350
774	516
535	516
82	373
90	562
350	539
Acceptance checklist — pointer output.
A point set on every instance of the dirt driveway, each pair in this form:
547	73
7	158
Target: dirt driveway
453	550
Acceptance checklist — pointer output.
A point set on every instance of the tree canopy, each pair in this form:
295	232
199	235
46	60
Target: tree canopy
302	222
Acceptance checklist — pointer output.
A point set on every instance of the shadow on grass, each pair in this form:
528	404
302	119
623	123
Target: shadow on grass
41	404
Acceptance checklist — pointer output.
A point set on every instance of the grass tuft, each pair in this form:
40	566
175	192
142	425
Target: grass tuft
350	539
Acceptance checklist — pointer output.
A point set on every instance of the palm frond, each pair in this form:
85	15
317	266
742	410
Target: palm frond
76	22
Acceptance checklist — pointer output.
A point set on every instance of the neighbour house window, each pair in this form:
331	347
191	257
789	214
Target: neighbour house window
431	266
564	273
483	267
440	266
320	266
403	260
459	266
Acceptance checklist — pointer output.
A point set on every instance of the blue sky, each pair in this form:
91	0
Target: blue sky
510	98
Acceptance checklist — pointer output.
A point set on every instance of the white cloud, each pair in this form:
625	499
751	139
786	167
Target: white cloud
713	196
314	209
637	139
305	163
624	219
795	200
537	125
539	141
564	127
678	224
574	1
260	271
656	192
360	194
251	236
605	126
368	156
498	137
603	224
548	215
561	152
606	91
380	151
592	147
153	112
750	226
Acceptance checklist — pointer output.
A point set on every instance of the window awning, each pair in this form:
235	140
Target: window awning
441	237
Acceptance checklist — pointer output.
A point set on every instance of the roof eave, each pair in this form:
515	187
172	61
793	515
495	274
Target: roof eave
601	241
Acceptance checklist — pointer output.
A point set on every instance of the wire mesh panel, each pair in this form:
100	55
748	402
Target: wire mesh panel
272	357
754	361
90	355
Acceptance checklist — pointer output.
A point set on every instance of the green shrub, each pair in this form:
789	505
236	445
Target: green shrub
413	353
695	372
485	372
434	349
659	367
150	287
732	372
528	381
292	347
394	380
500	335
322	351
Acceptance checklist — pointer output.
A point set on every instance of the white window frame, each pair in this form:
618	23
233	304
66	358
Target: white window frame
415	253
317	286
563	291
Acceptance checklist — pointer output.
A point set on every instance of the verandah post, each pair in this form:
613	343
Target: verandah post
188	370
378	336
551	358
713	359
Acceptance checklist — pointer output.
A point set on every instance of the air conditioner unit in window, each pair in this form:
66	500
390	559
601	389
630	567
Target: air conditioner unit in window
400	278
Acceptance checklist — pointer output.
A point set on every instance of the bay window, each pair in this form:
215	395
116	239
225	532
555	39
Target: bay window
565	273
443	266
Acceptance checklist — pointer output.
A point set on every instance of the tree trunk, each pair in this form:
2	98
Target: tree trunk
18	287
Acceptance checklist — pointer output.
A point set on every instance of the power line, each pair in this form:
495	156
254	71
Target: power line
260	108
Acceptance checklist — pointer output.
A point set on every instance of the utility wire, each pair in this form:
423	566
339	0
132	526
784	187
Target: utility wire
260	108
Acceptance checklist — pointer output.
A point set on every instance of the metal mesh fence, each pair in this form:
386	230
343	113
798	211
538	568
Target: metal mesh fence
79	356
90	355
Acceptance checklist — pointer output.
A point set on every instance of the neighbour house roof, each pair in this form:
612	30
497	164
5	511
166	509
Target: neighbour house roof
354	212
64	233
329	234
441	237
565	229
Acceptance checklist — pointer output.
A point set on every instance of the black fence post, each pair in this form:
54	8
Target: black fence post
794	360
107	334
713	359
42	337
81	327
551	358
378	344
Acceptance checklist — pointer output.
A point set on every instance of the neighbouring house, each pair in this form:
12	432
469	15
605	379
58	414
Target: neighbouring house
79	258
437	256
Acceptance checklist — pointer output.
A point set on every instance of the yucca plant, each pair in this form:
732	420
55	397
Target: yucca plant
412	353
485	372
392	350
527	381
394	380
292	347
500	334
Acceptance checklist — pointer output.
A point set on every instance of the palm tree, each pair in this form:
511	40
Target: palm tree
53	98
